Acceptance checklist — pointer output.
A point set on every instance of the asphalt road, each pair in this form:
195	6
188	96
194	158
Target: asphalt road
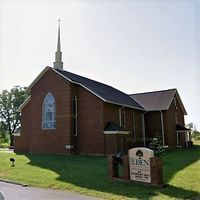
17	192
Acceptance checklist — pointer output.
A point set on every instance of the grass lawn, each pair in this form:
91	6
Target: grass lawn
89	175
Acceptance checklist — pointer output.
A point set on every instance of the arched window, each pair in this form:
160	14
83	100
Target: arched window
49	112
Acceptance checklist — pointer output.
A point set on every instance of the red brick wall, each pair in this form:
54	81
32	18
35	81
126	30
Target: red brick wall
171	124
153	124
115	143
181	121
90	139
93	114
21	143
52	140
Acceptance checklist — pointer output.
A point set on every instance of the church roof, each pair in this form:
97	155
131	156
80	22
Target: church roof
158	100
103	91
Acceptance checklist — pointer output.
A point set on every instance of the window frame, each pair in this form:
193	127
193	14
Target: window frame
122	117
49	99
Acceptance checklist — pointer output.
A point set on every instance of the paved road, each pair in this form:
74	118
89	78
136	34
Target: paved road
17	192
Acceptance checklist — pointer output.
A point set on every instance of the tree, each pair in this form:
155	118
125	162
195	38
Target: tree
9	103
190	126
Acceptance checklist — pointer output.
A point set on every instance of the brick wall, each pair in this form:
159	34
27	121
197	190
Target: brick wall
90	139
115	143
21	143
171	124
153	124
51	140
93	114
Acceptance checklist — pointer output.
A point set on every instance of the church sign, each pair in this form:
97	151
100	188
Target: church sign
139	164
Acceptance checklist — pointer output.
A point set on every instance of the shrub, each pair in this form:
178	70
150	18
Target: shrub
4	145
157	147
4	137
196	135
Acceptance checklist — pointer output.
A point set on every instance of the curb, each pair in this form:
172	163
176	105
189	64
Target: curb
13	182
1	196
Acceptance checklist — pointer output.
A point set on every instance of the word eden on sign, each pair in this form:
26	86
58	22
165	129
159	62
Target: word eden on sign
139	164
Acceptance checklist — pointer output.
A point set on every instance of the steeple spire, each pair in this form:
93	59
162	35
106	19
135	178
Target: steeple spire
58	64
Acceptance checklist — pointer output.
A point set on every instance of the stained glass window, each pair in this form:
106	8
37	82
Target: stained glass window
49	111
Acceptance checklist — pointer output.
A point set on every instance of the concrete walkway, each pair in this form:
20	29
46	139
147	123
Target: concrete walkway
15	192
6	150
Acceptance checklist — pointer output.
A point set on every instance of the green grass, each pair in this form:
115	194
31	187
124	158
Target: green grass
89	175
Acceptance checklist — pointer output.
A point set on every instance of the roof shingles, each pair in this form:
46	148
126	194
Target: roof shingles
106	92
157	100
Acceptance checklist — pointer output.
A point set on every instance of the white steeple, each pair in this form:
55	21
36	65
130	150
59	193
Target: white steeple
58	64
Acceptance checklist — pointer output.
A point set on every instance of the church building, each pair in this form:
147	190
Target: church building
70	114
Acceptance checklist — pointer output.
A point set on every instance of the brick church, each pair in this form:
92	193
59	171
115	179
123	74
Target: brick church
70	114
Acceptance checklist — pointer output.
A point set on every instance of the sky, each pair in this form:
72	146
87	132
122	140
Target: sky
133	45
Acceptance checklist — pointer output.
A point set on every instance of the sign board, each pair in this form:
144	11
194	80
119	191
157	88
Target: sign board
139	164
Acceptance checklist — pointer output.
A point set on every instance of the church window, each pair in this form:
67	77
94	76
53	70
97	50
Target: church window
49	111
122	117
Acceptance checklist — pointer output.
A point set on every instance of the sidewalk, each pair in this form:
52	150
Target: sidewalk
6	151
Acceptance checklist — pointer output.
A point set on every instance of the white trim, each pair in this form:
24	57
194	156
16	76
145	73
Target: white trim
17	134
128	106
69	146
116	132
122	117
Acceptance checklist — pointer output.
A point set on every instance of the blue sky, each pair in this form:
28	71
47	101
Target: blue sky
133	45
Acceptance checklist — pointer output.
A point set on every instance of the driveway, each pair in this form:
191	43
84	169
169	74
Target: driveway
16	192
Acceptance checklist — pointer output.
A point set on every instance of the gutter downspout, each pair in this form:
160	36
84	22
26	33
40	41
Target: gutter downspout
143	129
162	127
120	115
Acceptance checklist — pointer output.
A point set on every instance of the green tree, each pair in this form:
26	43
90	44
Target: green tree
9	103
190	126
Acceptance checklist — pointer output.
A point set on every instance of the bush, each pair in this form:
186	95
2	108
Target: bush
4	137
157	147
4	140
4	145
196	135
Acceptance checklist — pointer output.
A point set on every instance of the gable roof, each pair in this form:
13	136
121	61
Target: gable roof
158	100
104	92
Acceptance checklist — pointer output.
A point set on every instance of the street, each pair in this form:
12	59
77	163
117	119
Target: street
17	192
